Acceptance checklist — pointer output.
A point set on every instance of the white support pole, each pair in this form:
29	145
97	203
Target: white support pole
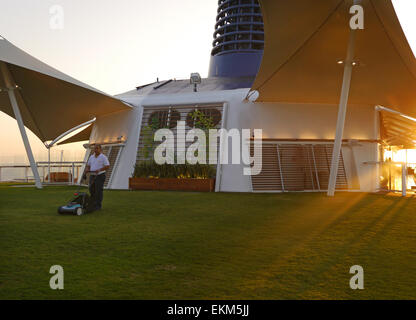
49	165
73	173
11	87
404	180
342	111
218	180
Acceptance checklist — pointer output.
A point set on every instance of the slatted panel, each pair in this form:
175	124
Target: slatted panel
323	156
311	169
269	177
113	154
296	167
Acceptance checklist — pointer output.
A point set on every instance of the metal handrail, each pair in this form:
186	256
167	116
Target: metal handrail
75	165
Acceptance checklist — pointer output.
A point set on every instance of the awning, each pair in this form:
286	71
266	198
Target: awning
306	40
50	101
83	135
397	129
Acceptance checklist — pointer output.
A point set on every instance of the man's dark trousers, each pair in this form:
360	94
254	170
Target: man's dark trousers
96	189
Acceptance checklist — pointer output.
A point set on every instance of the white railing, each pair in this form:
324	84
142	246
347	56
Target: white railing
25	176
68	173
396	171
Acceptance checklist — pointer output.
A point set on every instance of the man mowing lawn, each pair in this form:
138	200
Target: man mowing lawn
97	165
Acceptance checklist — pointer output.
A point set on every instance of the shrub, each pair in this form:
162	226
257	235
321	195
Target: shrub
150	169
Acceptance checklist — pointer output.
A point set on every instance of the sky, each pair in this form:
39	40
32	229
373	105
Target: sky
115	46
111	45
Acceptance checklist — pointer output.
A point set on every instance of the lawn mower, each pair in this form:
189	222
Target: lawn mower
81	204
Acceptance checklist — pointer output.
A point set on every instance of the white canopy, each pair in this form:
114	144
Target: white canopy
50	101
305	40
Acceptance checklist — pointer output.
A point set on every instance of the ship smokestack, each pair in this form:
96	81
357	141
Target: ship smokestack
238	39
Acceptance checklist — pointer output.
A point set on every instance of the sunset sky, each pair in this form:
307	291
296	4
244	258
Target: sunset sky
118	45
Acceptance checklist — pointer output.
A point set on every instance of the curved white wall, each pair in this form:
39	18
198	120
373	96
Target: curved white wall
278	121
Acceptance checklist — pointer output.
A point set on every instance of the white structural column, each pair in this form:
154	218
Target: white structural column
342	111
49	165
404	179
222	152
63	135
11	87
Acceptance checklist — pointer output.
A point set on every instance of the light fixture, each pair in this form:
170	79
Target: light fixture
253	96
7	89
353	63
195	80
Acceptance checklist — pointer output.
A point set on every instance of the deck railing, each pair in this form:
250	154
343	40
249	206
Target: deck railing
66	172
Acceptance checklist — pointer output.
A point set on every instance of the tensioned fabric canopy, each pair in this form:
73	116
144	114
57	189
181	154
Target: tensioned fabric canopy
306	40
83	135
50	101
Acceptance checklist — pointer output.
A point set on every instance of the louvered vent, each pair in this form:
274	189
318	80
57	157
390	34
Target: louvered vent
112	152
297	167
270	177
112	155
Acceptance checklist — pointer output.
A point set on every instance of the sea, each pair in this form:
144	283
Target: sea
21	174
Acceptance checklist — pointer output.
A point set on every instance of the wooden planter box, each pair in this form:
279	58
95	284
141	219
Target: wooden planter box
59	177
198	185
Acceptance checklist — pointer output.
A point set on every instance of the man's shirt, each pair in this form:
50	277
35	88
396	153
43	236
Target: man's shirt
97	163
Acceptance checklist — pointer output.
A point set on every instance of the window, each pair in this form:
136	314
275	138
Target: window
214	114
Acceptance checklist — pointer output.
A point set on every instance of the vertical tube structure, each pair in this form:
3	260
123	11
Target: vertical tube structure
238	39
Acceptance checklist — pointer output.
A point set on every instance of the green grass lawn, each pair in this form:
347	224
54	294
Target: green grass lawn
154	245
